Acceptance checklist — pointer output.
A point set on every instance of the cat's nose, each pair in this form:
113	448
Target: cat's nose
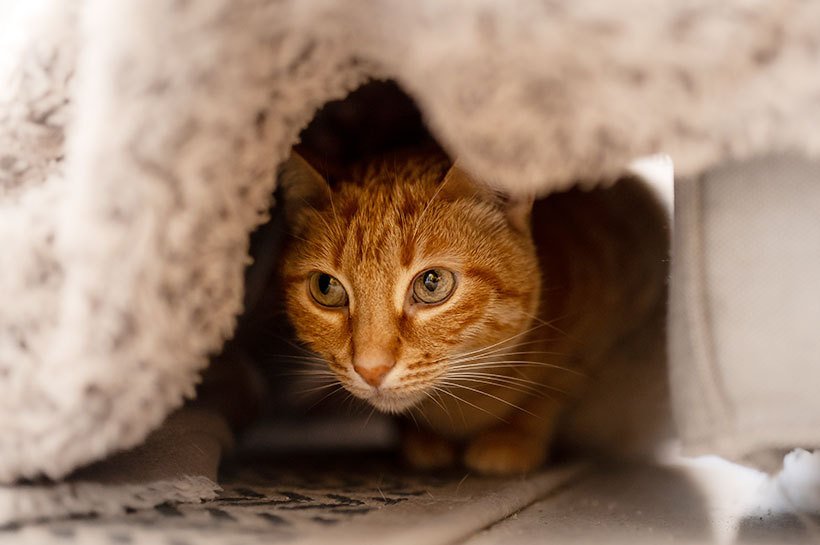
372	366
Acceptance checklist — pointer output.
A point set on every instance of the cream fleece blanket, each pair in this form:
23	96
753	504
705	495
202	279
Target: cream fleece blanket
138	142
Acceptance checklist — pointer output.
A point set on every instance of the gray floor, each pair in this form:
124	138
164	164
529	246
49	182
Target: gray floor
702	501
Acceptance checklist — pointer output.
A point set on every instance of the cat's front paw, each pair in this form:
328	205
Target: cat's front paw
504	452
426	451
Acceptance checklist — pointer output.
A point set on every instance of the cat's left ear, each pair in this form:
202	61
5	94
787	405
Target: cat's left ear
457	183
301	185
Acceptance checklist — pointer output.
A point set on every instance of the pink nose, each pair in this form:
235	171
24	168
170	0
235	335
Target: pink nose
373	375
373	365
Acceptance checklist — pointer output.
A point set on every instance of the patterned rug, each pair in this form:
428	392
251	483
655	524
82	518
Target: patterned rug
329	499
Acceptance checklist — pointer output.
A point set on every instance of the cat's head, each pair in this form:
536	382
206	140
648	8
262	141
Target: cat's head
397	275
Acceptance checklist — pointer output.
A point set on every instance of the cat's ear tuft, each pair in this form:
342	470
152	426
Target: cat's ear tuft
301	185
519	212
457	183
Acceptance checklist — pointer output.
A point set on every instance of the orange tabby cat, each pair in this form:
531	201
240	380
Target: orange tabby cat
426	292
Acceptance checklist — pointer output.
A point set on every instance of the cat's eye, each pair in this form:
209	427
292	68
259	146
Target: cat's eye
326	290
433	286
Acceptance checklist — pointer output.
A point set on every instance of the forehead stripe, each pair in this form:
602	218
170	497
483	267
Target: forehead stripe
408	248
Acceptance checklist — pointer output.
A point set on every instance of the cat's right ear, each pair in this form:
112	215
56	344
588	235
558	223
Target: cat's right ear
301	185
458	183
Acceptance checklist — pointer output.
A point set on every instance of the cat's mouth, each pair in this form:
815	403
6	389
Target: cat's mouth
392	402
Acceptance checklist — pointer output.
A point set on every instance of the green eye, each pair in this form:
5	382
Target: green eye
433	286
327	291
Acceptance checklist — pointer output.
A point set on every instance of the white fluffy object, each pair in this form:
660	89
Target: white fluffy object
798	483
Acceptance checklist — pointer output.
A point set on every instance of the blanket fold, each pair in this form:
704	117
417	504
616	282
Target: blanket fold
176	463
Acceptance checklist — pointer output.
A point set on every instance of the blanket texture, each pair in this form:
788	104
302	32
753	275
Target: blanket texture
139	141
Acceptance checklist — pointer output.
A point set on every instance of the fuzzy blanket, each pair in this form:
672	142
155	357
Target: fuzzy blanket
139	141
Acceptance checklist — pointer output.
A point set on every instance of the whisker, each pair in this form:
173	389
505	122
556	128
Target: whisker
324	221
488	359
310	373
422	414
532	387
333	205
316	389
501	342
350	404
549	323
311	381
336	390
511	347
297	347
426	208
307	370
410	414
298	357
494	375
525	352
437	393
304	370
302	239
434	400
509	383
504	401
462	400
369	416
522	389
516	363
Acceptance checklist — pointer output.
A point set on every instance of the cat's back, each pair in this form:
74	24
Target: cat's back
604	255
613	245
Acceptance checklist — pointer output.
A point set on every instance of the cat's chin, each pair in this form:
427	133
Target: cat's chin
392	403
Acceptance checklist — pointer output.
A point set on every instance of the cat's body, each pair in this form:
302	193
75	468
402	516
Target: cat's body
426	293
